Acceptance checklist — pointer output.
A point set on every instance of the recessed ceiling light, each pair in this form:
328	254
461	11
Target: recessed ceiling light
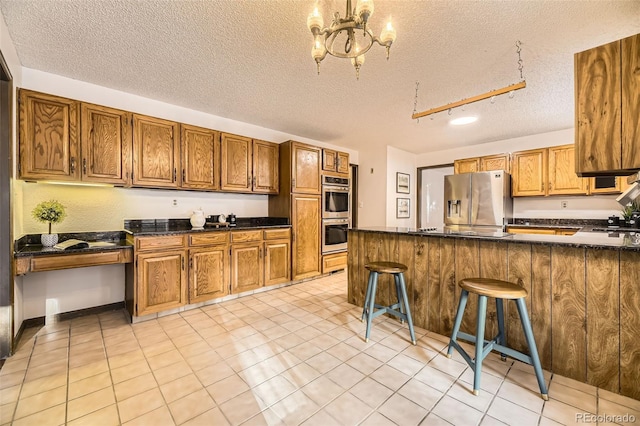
463	120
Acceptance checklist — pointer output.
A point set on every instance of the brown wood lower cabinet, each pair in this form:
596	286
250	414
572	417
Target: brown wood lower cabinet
277	261
247	267
162	282
208	273
584	303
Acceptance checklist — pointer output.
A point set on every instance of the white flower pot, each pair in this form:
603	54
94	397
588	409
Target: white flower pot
49	240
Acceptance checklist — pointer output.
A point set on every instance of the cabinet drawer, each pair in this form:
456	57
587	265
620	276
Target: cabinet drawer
334	262
52	263
162	243
277	234
244	236
208	239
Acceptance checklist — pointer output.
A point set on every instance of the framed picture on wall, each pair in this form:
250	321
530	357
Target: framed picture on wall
402	208
402	183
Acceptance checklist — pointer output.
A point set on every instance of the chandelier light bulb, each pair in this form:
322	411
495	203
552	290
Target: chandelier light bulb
315	21
364	9
388	34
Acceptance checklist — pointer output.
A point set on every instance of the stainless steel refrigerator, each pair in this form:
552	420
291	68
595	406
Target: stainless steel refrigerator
480	199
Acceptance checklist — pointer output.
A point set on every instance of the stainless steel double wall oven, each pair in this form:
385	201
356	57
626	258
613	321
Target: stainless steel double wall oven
335	213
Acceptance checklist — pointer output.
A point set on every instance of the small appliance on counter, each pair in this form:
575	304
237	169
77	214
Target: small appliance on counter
231	219
613	222
216	221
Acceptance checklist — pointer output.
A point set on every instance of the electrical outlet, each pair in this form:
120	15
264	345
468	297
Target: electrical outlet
174	203
564	204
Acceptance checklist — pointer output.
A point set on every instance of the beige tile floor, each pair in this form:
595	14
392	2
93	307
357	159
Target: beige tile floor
289	356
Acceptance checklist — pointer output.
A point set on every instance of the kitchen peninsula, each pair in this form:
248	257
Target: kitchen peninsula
583	300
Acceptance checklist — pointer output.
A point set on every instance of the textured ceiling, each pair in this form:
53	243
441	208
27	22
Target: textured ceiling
250	61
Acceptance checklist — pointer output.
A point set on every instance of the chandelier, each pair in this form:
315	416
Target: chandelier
349	37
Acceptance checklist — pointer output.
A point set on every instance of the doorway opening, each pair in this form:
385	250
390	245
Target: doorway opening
6	221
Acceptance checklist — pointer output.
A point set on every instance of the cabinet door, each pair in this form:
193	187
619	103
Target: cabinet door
247	267
529	173
631	102
495	162
305	169
200	157
236	163
329	163
467	165
598	115
266	166
305	221
606	184
160	281
343	163
562	172
156	152
209	271
105	139
277	262
48	137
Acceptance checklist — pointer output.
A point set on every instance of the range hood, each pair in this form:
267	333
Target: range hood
633	192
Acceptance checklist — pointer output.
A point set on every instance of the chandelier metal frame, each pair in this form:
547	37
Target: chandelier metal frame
355	20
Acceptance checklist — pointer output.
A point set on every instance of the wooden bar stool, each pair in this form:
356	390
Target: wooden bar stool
486	287
399	309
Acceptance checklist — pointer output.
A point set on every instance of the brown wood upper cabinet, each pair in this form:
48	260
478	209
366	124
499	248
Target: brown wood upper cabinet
529	173
305	169
105	144
48	137
248	165
563	179
156	152
466	165
607	90
335	161
200	157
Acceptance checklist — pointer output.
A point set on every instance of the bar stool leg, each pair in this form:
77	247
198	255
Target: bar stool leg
372	300
458	320
403	287
367	297
396	278
477	370
533	349
500	314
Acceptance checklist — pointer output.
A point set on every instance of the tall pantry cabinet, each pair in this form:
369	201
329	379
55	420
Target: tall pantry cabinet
299	200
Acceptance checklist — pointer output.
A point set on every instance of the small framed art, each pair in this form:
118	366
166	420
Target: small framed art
402	183
402	208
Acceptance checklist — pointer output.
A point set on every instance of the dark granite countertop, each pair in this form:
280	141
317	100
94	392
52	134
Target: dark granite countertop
587	237
148	227
29	245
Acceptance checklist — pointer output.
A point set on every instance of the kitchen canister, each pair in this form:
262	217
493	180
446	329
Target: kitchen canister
197	219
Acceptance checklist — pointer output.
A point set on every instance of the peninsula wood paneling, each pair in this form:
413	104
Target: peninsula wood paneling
603	313
421	288
630	102
433	283
448	285
355	291
569	341
519	267
407	256
629	325
541	297
467	251
493	264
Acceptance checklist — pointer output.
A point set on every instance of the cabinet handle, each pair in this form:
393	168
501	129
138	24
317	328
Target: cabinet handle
184	174
191	262
182	257
254	181
293	183
260	252
175	174
84	166
73	165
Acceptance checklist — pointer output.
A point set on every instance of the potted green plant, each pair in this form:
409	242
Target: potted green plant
50	211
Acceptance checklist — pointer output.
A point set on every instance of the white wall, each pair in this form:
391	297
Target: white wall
583	207
403	162
372	188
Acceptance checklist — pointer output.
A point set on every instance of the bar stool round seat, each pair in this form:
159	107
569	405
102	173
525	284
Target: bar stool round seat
400	309
499	290
493	288
386	267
